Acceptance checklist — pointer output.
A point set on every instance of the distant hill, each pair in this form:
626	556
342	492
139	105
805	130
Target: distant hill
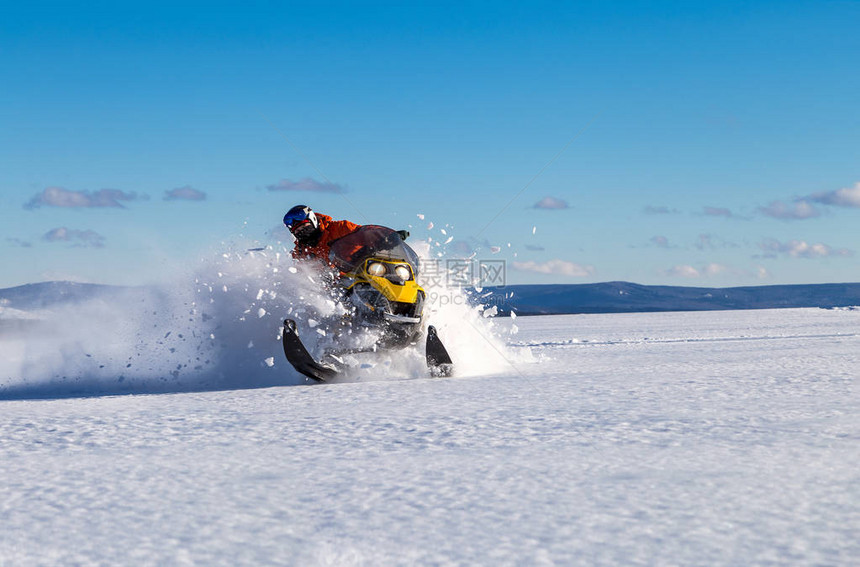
609	297
46	294
625	297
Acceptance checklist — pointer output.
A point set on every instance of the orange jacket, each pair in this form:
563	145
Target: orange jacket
331	231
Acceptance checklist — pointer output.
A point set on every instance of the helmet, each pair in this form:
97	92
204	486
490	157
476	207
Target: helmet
301	221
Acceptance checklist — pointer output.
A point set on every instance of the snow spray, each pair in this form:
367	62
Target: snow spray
218	326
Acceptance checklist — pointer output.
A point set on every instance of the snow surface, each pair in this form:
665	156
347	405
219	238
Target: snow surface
664	438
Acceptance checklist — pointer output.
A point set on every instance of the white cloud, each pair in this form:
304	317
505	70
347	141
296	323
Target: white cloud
186	193
683	271
306	184
461	249
800	210
551	203
555	267
61	197
660	241
705	241
19	242
83	238
846	197
713	269
717	212
801	249
659	210
711	242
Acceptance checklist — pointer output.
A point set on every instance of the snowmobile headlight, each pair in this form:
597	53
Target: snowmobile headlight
403	272
376	269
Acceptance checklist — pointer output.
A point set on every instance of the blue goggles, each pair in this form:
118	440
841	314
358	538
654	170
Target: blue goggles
293	217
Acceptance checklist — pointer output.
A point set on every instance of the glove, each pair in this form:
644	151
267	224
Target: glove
404	234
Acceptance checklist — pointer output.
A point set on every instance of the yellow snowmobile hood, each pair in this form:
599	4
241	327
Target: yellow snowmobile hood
397	290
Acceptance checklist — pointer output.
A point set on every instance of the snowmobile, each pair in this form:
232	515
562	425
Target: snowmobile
378	287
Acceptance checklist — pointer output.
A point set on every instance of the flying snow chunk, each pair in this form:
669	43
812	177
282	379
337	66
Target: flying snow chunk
495	249
292	270
260	313
420	216
534	229
312	323
430	226
270	362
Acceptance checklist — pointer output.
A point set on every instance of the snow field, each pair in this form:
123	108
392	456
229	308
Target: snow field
677	438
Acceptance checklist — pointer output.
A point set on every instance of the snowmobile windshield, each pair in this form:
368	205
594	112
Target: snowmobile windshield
348	252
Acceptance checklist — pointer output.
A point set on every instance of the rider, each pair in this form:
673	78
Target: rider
315	232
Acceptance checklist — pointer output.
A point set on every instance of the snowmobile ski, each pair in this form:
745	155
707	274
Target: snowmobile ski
438	359
300	358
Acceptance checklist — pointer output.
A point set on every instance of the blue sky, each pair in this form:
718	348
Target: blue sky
678	143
